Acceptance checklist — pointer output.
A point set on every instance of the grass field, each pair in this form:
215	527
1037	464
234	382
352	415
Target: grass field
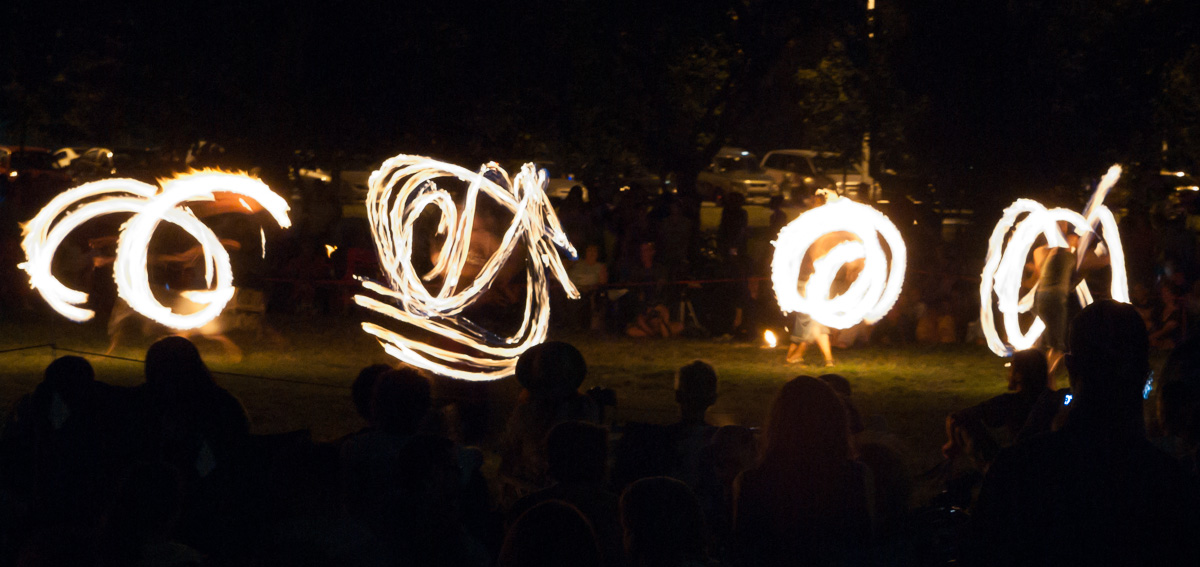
301	378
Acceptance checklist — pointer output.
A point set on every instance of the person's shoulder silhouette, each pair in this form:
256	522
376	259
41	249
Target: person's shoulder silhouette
1095	492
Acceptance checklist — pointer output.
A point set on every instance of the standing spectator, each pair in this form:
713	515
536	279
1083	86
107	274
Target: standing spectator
1095	492
733	235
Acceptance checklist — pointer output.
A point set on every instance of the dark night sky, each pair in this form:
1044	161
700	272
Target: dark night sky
996	90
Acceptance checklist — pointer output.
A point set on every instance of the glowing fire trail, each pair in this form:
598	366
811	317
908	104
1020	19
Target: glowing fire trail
875	289
46	231
397	195
1005	264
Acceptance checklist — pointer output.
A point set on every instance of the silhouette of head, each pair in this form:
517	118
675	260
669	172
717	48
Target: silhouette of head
551	533
1030	372
400	401
696	385
1109	356
551	370
173	365
807	424
364	387
68	376
841	386
70	379
662	522
838	382
577	452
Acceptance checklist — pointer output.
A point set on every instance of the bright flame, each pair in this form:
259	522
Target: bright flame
54	222
1005	265
769	337
397	195
875	289
329	250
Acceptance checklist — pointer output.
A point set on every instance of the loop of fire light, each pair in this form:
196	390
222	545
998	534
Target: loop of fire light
398	193
47	230
875	289
1005	264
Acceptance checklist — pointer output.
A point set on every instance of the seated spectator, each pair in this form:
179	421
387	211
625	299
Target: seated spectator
893	486
1168	326
421	517
937	325
663	524
551	533
984	429
363	389
577	459
731	450
695	392
138	528
1095	492
654	322
201	424
59	457
369	460
806	502
647	450
550	375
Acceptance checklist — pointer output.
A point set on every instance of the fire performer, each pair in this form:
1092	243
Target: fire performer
1057	271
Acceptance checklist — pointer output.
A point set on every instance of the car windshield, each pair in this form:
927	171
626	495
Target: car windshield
32	160
795	164
746	163
832	164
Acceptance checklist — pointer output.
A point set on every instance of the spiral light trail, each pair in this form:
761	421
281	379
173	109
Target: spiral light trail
398	193
45	232
873	291
1008	249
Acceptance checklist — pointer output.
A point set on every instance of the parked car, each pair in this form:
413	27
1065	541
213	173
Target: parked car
64	156
143	164
805	171
28	178
734	170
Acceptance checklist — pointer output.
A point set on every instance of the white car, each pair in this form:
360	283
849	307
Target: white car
808	170
734	170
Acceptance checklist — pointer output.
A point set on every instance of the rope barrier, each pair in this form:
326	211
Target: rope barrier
56	349
47	345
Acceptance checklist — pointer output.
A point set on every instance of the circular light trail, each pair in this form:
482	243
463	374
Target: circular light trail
398	193
45	232
873	291
1008	249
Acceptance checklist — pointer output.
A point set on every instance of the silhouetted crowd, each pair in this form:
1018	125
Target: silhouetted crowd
168	473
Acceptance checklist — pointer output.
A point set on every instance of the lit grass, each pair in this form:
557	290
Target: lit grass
301	378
